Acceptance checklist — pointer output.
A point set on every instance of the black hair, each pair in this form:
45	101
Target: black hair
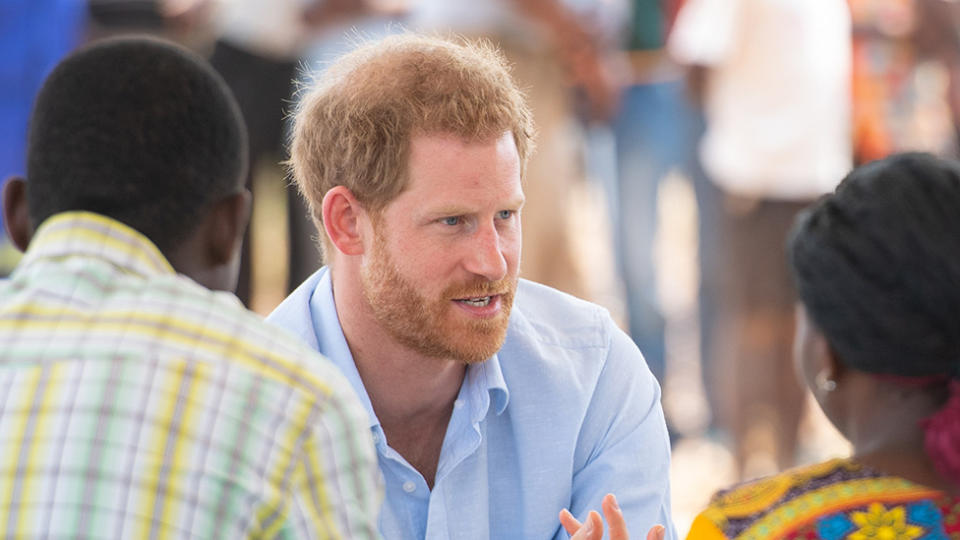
877	266
137	129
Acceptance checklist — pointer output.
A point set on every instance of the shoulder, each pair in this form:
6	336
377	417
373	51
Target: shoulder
293	313
291	401
553	317
553	327
559	345
823	493
754	496
222	331
549	327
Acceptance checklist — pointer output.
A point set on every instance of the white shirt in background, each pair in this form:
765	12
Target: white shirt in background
778	94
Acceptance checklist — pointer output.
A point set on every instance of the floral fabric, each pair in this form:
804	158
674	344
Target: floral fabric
835	500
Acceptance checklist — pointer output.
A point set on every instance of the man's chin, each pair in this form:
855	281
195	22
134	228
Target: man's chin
480	348
486	337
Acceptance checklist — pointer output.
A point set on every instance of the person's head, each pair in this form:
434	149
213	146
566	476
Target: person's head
877	269
355	125
146	133
410	153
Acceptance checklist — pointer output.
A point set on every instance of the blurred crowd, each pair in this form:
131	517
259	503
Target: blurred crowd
762	106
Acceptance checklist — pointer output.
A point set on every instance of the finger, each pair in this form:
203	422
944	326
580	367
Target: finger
657	533
570	523
592	528
615	520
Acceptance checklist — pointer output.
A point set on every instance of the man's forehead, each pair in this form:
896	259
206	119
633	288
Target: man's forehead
451	155
453	152
448	171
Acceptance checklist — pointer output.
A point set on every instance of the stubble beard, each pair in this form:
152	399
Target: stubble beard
428	326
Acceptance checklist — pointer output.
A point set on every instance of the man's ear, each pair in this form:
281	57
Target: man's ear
16	216
228	222
341	215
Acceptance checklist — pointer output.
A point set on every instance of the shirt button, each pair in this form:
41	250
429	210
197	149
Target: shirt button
458	403
409	487
376	438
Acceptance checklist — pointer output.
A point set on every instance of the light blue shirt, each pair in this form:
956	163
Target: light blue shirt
563	414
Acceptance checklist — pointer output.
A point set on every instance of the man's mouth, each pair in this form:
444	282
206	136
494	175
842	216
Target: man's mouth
480	301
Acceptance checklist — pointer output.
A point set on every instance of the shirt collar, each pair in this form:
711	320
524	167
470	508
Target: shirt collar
488	376
94	235
330	339
485	378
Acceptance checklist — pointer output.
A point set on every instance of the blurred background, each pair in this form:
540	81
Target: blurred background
677	141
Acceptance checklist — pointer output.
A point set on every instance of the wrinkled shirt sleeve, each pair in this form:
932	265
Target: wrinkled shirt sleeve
624	443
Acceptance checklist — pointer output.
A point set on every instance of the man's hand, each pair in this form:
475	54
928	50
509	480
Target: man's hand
592	528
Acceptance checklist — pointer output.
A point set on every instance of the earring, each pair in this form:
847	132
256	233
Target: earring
823	383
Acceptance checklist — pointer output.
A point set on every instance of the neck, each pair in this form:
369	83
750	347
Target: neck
402	383
886	435
193	263
411	394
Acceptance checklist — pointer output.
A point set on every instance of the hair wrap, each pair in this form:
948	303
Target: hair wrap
877	266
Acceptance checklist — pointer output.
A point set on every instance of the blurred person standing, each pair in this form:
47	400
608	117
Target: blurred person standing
550	50
259	45
653	128
656	130
773	80
906	77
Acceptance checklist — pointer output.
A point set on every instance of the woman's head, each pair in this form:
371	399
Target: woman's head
877	268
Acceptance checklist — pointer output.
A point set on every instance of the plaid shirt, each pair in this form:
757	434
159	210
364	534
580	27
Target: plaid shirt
135	403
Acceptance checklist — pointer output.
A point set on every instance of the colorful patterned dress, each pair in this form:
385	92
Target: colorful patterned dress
835	500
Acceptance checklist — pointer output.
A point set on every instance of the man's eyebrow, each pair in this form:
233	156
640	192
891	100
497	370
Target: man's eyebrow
448	210
459	210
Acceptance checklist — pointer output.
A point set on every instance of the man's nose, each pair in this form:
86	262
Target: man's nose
486	256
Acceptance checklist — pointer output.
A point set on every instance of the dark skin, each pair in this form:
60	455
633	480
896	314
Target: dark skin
209	256
882	422
881	419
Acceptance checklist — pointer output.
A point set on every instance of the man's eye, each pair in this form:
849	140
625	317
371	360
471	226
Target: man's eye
454	220
505	214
